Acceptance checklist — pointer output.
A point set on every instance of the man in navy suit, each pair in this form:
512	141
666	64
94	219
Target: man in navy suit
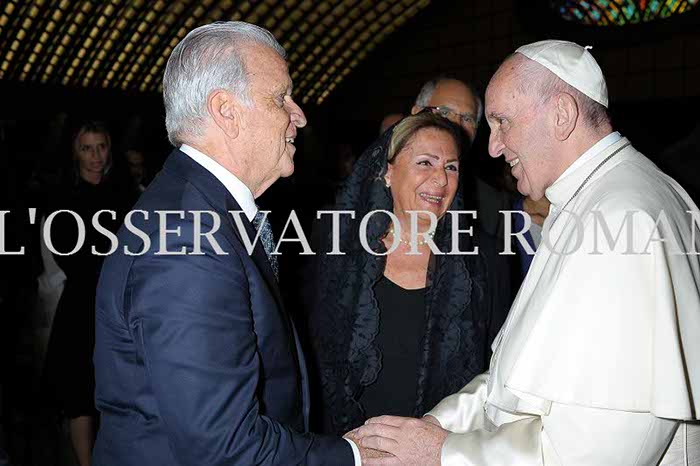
197	362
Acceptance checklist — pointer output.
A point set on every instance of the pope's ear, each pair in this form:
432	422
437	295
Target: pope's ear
566	114
415	109
224	109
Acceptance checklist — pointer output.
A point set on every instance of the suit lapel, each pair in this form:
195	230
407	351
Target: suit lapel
223	202
218	196
259	255
260	258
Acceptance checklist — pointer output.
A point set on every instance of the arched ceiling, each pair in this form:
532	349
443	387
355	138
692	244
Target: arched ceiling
124	44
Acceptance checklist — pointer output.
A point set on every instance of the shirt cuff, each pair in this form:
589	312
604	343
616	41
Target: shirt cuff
355	453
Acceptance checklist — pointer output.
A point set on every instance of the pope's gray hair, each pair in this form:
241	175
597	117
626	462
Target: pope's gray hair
210	57
537	81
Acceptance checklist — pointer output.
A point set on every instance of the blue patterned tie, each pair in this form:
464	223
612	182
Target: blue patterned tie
268	241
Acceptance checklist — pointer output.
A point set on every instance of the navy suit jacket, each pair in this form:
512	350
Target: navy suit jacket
196	360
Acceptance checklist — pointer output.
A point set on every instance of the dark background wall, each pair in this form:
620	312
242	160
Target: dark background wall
659	60
653	70
653	73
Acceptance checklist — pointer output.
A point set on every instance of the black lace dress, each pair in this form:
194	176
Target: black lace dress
464	305
401	329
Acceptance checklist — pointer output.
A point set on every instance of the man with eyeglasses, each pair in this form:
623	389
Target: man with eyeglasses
453	99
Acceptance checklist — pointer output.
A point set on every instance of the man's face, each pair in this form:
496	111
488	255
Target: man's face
459	99
92	153
273	117
519	133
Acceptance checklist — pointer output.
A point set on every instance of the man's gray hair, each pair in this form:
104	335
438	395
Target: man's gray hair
536	80
426	92
210	57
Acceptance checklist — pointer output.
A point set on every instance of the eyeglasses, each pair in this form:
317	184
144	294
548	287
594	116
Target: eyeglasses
465	119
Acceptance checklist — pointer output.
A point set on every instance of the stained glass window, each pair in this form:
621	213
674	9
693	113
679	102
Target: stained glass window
620	12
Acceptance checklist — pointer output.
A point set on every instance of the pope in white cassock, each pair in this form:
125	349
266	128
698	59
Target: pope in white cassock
599	360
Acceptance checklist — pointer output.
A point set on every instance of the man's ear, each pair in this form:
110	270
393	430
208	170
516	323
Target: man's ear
566	114
415	109
225	110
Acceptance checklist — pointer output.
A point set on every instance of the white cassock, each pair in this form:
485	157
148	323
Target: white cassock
598	362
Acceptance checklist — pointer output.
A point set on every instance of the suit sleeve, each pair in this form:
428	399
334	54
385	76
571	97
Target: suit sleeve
475	441
464	410
191	320
570	435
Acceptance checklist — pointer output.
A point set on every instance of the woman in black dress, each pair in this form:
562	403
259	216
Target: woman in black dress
394	334
69	371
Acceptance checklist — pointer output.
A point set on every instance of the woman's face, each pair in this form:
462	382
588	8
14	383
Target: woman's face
92	153
424	175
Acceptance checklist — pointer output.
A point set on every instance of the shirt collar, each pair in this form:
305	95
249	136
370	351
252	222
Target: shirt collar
240	192
569	181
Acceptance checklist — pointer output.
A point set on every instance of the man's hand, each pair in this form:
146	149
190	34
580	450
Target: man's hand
412	442
538	210
365	453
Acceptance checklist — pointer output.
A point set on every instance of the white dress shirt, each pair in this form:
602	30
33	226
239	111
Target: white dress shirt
240	192
244	197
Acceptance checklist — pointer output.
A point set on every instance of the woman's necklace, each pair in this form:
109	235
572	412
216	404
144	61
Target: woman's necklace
421	242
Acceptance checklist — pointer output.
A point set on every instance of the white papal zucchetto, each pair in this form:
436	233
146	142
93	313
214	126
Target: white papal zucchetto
571	63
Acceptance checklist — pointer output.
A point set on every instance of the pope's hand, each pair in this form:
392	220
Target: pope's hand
412	442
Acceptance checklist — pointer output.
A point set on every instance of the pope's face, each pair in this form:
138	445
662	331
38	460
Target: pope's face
519	134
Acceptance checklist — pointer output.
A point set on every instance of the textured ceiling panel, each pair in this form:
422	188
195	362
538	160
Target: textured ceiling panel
124	44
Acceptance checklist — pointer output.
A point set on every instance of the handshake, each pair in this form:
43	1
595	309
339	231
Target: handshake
394	440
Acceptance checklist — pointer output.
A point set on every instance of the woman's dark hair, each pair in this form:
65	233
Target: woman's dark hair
408	127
